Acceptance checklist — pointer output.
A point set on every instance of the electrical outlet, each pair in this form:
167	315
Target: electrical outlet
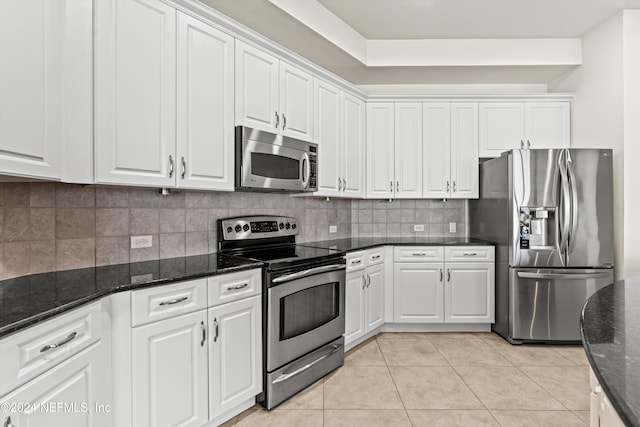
452	227
333	229
418	227
141	278
138	242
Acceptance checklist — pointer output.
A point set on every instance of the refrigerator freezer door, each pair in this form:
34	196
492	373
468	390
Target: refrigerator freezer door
545	304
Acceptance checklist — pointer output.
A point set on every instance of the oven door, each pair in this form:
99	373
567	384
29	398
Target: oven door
271	166
305	310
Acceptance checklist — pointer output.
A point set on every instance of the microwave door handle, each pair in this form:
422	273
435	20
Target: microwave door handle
306	171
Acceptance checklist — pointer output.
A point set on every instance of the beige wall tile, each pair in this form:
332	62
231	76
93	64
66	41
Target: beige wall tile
144	199
197	220
112	197
146	254
112	250
196	243
172	245
42	257
112	222
75	196
42	195
16	194
2	185
15	259
172	200
172	220
195	199
16	224
1	224
144	221
73	223
43	223
75	253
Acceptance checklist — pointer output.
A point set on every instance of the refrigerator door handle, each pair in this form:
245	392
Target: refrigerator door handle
574	204
553	276
565	208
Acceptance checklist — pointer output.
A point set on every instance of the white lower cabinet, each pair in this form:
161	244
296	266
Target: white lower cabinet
235	355
170	372
438	284
602	413
364	300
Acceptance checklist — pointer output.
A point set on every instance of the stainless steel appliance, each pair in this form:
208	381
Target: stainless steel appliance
550	214
270	162
303	302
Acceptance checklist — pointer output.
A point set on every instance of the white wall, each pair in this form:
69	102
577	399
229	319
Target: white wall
597	111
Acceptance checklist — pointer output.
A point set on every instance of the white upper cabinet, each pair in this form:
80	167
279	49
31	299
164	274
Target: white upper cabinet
135	83
380	151
339	132
205	131
272	95
164	98
436	122
464	151
508	125
45	89
408	150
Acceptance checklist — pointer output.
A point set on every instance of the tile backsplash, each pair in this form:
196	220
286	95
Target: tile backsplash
51	226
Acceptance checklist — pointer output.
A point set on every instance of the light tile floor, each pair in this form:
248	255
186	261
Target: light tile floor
442	379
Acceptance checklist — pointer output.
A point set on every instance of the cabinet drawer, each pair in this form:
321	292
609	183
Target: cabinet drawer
29	353
162	302
234	286
356	260
418	254
375	256
469	253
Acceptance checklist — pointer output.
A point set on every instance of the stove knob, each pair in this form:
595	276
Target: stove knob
229	229
281	226
246	227
293	226
238	228
288	226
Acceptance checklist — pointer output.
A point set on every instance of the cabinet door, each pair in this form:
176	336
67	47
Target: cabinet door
374	297
235	354
135	82
79	383
328	137
169	365
547	124
469	293
501	127
408	150
436	134
45	84
296	102
256	88
205	131
464	151
353	142
418	293
354	306
380	134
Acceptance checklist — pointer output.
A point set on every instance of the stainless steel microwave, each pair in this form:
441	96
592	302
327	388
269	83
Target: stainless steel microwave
269	162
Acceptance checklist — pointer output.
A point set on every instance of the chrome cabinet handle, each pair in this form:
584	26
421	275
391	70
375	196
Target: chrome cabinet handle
344	184
7	422
184	167
368	281
173	301
364	282
441	275
170	166
522	143
448	275
391	186
277	120
235	288
339	184
215	326
419	254
469	254
528	144
454	187
204	333
397	186
48	347
284	121
374	257
447	186
355	261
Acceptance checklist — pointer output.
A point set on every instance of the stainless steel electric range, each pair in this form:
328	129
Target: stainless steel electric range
303	302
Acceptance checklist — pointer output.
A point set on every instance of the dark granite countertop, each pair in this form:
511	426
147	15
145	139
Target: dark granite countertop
27	300
610	327
362	243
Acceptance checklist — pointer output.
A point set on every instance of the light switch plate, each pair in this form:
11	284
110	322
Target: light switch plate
418	227
138	242
333	229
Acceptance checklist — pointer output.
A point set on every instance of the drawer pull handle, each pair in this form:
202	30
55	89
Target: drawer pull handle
441	276
375	257
48	347
357	261
204	333
215	326
469	254
174	301
235	288
364	281
448	275
419	254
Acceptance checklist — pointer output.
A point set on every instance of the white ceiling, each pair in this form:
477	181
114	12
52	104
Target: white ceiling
344	36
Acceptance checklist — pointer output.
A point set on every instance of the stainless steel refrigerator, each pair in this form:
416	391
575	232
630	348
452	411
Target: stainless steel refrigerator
550	213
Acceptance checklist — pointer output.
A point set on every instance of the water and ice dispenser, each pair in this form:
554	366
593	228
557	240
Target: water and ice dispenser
538	227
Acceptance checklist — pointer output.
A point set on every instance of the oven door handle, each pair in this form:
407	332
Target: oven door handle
286	376
309	272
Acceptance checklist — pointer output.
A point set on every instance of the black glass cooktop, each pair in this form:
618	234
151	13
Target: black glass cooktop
288	255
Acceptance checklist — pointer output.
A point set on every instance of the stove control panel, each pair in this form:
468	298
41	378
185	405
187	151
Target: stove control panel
256	227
